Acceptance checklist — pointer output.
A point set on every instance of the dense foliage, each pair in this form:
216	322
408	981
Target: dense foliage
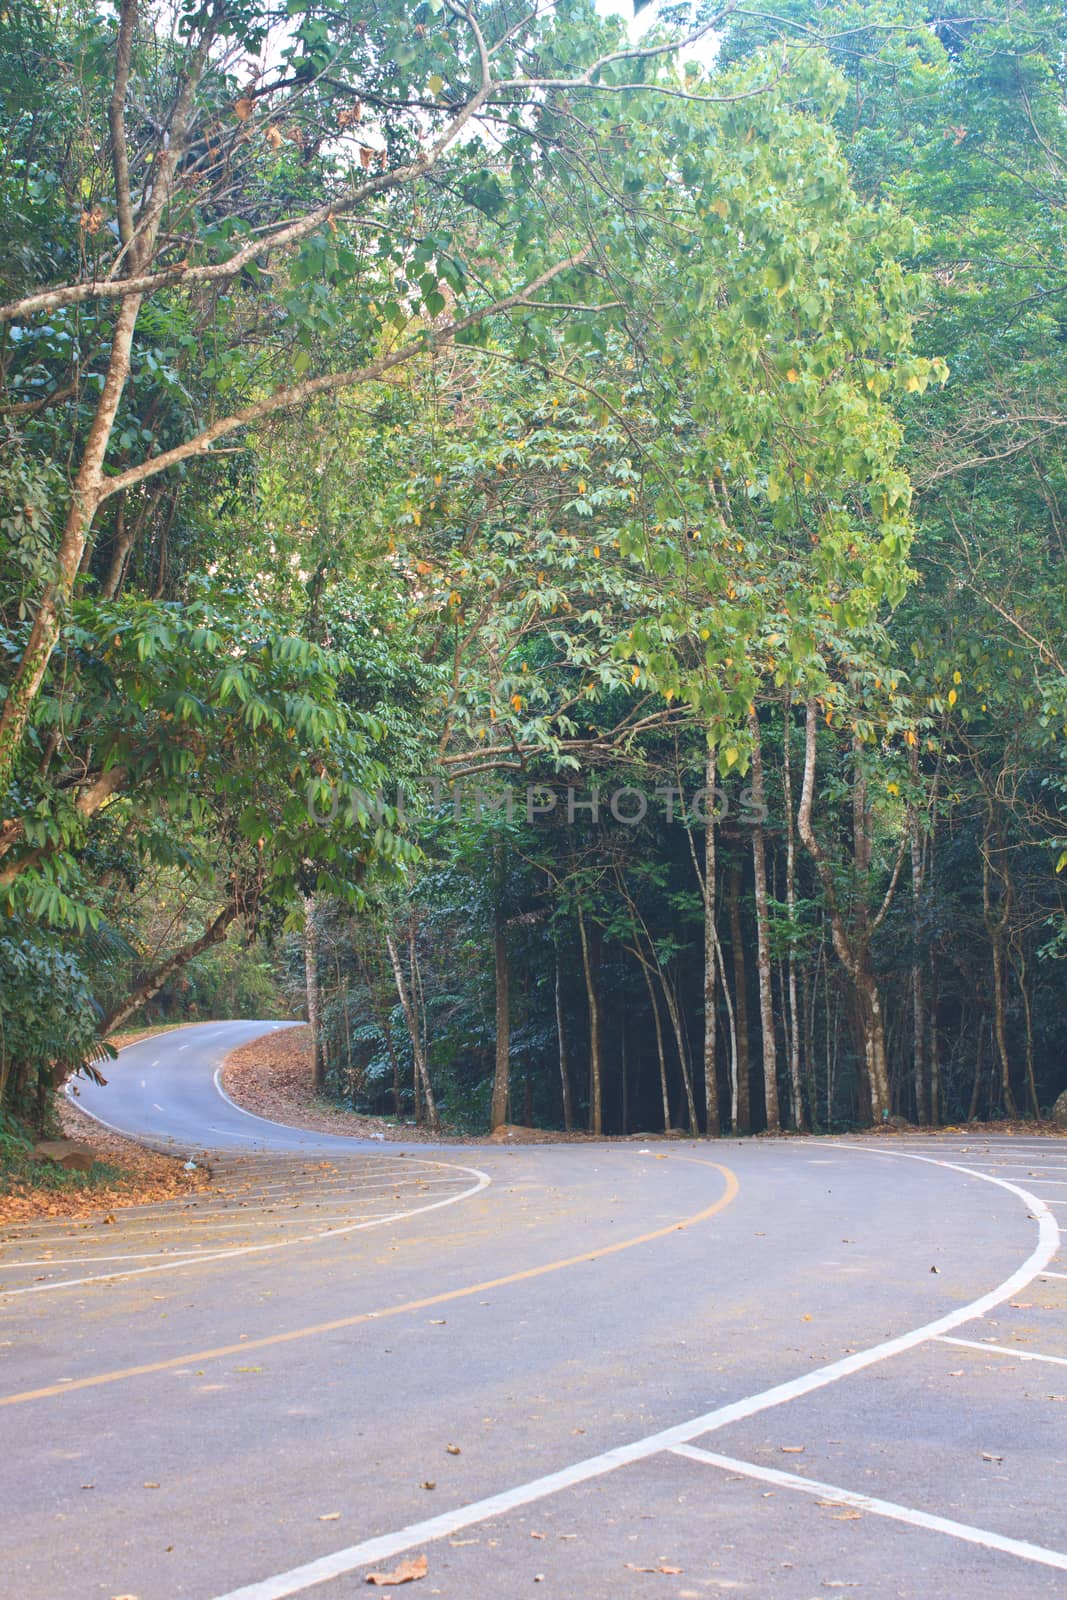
541	540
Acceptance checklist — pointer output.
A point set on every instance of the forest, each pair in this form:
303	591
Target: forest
534	538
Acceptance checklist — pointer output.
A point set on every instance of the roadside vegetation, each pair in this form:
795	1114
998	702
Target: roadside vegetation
536	540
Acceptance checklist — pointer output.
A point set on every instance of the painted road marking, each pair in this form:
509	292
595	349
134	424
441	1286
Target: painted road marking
525	1275
1029	1167
241	1250
78	1261
1007	1350
385	1546
879	1508
233	1203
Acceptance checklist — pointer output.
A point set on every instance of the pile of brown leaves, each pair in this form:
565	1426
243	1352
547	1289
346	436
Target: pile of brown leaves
142	1176
271	1076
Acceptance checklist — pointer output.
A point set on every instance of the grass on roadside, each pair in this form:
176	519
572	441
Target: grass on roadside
21	1175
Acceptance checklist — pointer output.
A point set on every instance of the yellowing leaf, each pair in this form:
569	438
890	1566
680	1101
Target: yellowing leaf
407	1572
720	208
792	376
952	697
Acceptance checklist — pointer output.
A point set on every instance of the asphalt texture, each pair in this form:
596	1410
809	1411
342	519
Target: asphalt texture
775	1369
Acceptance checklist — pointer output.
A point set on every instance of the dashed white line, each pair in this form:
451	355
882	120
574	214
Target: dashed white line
879	1508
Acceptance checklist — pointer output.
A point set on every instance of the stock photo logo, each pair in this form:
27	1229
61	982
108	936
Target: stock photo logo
628	805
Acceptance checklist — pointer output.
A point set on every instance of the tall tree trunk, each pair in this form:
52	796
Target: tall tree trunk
796	1090
678	1029
596	1076
498	1112
933	1056
149	986
918	998
561	1036
731	1023
660	1053
90	481
120	549
394	1061
711	954
743	1123
415	1034
624	1064
995	926
85	497
852	950
918	1003
1032	1105
313	993
763	941
972	1110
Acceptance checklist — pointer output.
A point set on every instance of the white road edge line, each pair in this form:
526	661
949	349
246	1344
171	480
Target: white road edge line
1005	1350
879	1508
385	1546
80	1261
483	1182
1048	1273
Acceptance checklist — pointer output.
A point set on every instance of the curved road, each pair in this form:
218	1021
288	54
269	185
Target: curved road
166	1092
772	1369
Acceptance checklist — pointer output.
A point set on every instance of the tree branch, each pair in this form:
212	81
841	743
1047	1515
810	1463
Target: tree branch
327	383
120	158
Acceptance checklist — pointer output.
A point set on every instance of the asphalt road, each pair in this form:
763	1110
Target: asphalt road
570	1371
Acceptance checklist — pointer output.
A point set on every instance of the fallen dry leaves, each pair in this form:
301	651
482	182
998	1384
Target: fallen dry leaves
407	1572
271	1076
145	1176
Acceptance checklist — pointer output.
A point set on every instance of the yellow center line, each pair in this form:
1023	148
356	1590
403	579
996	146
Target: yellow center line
219	1352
